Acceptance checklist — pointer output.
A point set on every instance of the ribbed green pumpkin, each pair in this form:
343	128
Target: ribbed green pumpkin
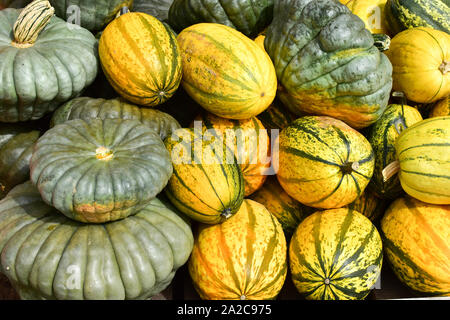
92	15
382	136
247	16
38	74
404	14
100	170
326	62
16	145
369	205
335	255
87	108
157	8
48	256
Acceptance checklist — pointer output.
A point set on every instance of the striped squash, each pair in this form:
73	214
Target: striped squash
276	117
382	136
140	58
249	141
335	255
323	163
416	239
441	108
404	14
370	11
423	160
243	258
225	72
206	186
369	205
288	211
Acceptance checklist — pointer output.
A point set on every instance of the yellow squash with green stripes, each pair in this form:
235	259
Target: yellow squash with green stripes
323	162
207	183
141	59
335	255
244	258
416	240
225	72
441	108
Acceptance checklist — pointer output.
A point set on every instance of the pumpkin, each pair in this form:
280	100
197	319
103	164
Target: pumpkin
421	64
16	145
225	72
370	11
288	211
13	3
87	108
423	160
382	136
416	239
335	255
147	68
48	256
323	163
100	170
246	16
156	8
404	14
244	258
369	205
250	143
92	15
207	183
41	65
326	62
441	108
276	117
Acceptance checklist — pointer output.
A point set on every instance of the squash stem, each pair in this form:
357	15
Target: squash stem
445	67
390	170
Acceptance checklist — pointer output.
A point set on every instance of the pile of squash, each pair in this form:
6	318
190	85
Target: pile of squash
257	142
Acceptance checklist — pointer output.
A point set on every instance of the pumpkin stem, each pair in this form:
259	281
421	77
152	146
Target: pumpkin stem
445	67
103	154
381	41
30	22
122	11
349	167
226	213
390	170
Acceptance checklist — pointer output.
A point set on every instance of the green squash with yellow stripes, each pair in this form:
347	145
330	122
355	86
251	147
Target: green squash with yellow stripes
335	254
323	162
207	183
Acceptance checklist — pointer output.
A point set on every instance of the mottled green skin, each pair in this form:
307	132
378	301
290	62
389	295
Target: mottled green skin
36	80
247	16
16	145
157	8
87	108
326	62
94	15
48	256
71	178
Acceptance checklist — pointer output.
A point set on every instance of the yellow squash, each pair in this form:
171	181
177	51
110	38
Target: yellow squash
441	108
370	11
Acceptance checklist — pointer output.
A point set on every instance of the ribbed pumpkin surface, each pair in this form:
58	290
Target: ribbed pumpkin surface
141	58
323	162
207	183
225	72
243	258
382	136
370	11
250	142
441	108
423	151
335	255
416	239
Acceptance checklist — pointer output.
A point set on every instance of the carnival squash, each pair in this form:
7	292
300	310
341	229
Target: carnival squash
100	170
323	163
225	72
371	12
441	108
244	258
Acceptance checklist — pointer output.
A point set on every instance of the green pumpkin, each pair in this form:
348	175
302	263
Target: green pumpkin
16	145
40	69
157	8
246	16
326	62
48	256
100	170
92	15
88	108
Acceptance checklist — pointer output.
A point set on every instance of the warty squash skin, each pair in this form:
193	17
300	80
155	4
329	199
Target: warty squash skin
335	255
243	258
421	64
416	239
100	170
141	59
326	62
48	256
324	163
225	72
441	108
